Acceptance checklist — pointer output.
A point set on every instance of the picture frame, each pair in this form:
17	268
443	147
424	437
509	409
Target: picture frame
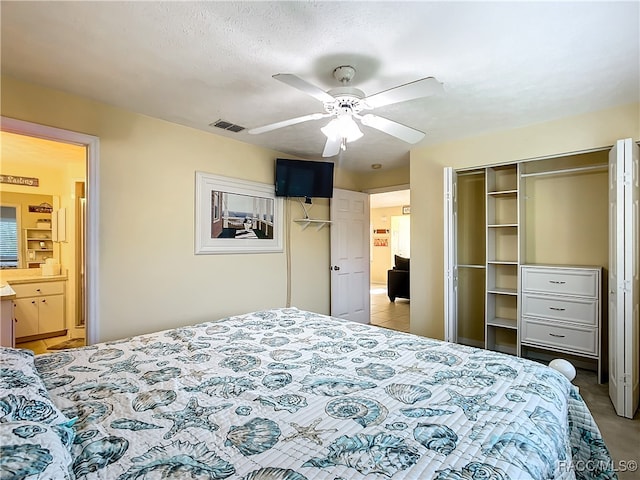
236	216
406	209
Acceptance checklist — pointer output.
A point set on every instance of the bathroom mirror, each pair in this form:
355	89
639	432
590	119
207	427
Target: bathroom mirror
25	230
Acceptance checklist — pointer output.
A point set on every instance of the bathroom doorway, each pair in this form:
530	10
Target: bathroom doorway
77	182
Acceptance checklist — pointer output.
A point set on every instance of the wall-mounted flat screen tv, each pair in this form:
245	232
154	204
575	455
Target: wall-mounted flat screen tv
303	178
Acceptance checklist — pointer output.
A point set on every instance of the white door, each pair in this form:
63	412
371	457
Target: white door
623	278
450	260
350	255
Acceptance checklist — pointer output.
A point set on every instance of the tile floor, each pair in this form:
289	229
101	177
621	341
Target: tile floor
621	435
387	314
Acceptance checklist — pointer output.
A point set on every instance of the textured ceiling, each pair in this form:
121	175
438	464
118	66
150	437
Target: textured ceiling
503	64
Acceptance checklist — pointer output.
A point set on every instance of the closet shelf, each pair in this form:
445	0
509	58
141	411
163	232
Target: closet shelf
503	291
305	222
503	193
503	323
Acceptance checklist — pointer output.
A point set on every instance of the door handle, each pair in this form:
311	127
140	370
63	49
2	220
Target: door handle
336	268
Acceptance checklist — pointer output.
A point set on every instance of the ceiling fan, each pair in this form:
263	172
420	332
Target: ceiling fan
346	103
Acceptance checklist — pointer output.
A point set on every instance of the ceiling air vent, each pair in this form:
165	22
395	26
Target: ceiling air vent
232	127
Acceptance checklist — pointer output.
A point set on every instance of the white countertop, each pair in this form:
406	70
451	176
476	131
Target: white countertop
6	292
27	275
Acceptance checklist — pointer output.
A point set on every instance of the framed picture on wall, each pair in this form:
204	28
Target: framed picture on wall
236	216
406	209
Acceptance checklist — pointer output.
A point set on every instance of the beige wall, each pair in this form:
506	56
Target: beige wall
589	131
149	277
567	218
381	178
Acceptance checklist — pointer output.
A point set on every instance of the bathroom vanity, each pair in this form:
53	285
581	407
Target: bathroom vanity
38	305
7	295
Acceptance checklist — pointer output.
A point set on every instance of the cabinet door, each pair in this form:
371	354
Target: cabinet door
6	324
26	315
51	310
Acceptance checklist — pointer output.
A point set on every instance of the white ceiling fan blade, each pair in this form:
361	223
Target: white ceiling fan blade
286	123
304	86
408	134
332	147
418	89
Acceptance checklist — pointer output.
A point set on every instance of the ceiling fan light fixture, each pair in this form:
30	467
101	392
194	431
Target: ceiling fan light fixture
342	127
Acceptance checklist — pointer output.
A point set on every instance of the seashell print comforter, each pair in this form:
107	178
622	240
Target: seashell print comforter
289	394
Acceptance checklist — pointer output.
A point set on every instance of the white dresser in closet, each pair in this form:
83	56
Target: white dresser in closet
561	309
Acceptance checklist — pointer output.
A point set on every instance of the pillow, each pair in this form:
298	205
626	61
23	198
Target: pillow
23	395
33	450
401	263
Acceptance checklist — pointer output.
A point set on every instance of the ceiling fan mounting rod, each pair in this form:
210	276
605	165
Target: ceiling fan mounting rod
344	73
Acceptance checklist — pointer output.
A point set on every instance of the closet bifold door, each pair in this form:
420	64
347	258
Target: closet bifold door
502	258
624	277
450	261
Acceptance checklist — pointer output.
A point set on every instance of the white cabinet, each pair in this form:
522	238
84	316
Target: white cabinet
39	309
561	309
38	246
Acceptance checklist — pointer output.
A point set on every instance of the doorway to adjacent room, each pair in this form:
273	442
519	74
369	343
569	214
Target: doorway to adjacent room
68	172
390	214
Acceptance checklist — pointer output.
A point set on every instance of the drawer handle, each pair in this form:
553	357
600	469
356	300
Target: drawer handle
37	289
557	282
556	335
557	309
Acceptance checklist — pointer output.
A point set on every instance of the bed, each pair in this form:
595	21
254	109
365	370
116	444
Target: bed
286	394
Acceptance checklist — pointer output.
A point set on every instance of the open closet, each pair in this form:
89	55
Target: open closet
528	249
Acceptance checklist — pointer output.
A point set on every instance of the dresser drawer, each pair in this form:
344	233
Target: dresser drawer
569	309
38	288
561	281
558	336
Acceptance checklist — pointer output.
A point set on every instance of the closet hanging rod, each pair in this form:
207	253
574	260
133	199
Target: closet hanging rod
601	166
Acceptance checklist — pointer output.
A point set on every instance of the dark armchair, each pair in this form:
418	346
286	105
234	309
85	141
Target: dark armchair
398	279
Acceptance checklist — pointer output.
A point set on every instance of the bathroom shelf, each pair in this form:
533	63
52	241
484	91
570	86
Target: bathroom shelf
38	246
305	222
